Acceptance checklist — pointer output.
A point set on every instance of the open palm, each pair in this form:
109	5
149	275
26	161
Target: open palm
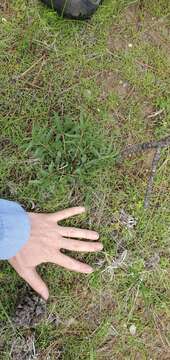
46	240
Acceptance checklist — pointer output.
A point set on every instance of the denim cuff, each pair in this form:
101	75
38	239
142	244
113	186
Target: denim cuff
14	228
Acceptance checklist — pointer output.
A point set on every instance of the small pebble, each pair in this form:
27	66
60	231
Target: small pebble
132	330
130	45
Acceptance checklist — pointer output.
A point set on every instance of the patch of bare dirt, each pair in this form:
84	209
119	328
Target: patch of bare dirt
119	39
137	23
157	32
146	109
4	5
111	81
30	309
6	10
23	348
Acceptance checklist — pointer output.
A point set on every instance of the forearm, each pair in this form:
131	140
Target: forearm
14	228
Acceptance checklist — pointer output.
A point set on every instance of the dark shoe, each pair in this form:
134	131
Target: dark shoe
74	9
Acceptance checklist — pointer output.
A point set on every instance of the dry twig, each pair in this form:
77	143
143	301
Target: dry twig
29	69
137	148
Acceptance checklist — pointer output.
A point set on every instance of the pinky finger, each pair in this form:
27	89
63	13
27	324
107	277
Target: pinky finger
34	280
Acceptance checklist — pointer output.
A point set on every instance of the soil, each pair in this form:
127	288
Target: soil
30	309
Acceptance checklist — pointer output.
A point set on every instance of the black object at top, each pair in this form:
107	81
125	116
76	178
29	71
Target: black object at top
74	9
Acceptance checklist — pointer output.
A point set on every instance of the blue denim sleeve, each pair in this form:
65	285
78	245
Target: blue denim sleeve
14	228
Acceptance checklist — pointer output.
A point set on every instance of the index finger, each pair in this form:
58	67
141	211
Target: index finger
67	213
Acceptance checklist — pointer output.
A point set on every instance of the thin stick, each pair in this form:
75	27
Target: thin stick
155	161
37	75
130	150
29	69
159	112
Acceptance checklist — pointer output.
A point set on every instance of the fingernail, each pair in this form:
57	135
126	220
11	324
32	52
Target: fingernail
45	295
101	246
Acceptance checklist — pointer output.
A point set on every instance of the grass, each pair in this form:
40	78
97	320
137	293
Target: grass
73	94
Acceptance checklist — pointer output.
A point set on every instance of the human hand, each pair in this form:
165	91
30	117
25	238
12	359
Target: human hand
46	240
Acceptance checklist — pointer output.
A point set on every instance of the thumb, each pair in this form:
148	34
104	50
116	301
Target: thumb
34	280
